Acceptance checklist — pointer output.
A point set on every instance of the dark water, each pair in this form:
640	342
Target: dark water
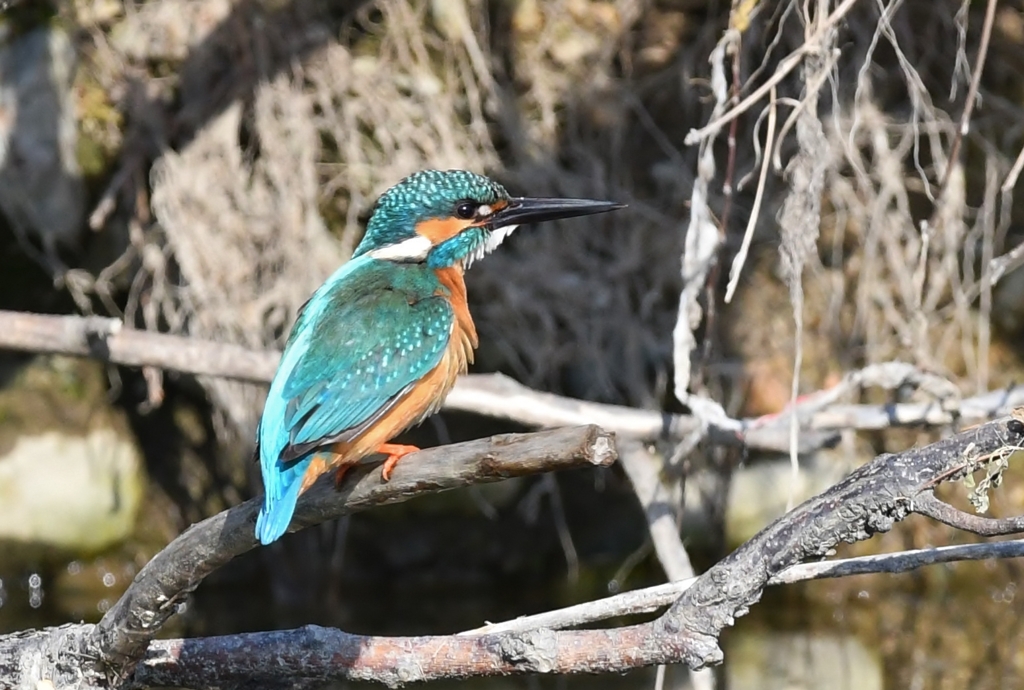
441	565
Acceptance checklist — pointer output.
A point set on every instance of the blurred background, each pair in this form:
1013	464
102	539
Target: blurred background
199	168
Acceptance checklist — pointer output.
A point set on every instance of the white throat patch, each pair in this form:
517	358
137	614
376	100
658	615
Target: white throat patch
493	241
413	249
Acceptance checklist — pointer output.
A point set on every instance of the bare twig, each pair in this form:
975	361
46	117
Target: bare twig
997	268
984	406
755	212
790	63
884	375
735	51
662	504
972	96
1015	170
651	599
930	506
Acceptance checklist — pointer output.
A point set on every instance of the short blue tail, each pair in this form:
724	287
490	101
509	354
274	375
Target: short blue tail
279	502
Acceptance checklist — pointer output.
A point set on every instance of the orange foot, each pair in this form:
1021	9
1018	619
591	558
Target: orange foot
395	452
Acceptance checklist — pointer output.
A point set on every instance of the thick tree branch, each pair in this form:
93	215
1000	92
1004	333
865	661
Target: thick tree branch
326	654
127	628
319	654
870	500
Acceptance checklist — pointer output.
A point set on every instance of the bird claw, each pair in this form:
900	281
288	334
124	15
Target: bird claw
395	452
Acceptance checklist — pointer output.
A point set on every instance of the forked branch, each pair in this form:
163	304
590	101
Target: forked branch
126	630
870	500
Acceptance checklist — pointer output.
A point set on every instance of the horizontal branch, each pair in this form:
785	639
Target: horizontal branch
285	658
125	631
494	395
650	599
109	340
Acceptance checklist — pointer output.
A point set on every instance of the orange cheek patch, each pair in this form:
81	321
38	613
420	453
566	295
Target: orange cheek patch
437	230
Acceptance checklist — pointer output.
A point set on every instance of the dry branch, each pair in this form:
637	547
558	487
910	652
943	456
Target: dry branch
109	340
662	504
811	46
650	599
972	97
122	637
870	500
324	654
127	628
495	395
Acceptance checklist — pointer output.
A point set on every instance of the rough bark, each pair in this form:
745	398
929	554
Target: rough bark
872	499
86	656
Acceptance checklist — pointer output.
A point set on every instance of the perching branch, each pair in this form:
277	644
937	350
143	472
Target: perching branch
870	500
88	656
127	628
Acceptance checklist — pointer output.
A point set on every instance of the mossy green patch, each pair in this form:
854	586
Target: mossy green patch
54	392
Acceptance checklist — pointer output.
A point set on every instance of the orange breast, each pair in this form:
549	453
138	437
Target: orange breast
464	331
426	395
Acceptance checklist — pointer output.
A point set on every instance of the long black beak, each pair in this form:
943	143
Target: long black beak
523	210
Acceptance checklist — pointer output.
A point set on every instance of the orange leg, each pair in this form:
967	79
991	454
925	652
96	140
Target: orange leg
395	452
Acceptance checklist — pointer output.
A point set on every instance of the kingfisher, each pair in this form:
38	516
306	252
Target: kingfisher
379	345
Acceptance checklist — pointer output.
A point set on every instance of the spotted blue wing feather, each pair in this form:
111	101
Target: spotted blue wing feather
362	341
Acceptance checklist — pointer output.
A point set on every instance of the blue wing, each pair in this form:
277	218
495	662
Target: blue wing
359	345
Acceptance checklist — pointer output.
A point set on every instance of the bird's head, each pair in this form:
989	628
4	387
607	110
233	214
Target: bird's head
444	218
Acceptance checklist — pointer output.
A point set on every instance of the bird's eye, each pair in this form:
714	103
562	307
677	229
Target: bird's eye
466	209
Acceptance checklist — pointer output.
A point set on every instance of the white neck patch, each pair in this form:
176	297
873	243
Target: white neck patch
493	241
413	249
